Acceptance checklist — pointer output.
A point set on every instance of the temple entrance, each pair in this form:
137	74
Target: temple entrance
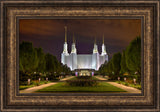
84	72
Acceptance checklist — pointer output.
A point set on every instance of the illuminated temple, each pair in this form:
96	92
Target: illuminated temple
83	61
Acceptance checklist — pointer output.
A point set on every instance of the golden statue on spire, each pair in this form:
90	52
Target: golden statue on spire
95	40
103	38
73	38
65	33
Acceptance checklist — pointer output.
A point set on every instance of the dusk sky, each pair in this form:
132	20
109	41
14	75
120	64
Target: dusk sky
49	34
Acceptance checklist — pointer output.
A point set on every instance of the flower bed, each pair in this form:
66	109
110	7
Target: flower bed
82	81
84	77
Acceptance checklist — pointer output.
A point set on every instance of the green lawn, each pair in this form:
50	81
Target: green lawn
62	87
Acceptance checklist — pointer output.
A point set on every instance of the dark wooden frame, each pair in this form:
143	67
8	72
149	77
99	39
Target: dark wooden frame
12	100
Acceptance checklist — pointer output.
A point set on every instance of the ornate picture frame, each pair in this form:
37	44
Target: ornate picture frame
12	100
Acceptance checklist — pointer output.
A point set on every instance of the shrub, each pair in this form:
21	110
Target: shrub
37	84
45	82
84	77
82	83
55	79
23	78
126	84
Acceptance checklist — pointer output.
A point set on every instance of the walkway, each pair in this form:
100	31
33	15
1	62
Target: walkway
33	89
126	88
100	78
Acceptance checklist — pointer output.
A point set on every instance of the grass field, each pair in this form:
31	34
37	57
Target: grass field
62	87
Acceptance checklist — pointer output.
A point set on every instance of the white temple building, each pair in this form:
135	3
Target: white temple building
83	61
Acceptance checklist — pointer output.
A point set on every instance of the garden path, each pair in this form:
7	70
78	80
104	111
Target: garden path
33	89
126	88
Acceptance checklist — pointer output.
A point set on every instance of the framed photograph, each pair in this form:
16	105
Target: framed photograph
80	56
85	67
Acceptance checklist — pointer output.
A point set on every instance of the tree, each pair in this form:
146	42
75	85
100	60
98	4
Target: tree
50	66
133	57
32	61
110	68
101	69
129	61
66	69
28	57
116	60
21	66
41	60
124	68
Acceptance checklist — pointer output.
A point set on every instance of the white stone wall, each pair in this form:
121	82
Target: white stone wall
84	61
91	61
73	60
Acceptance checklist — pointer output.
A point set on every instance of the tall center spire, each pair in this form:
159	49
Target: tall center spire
103	47
65	33
95	49
95	40
74	50
73	38
65	47
103	38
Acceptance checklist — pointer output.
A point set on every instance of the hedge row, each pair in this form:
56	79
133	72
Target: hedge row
82	81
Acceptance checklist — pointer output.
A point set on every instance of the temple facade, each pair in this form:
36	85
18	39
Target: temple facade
83	61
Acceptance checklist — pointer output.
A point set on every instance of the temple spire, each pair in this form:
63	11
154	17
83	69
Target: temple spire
65	47
65	33
73	50
103	48
73	38
103	38
95	49
95	40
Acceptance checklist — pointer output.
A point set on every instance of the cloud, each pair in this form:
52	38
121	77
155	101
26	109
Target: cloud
49	33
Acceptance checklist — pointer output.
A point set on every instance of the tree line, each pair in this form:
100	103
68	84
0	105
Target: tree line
34	63
125	64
